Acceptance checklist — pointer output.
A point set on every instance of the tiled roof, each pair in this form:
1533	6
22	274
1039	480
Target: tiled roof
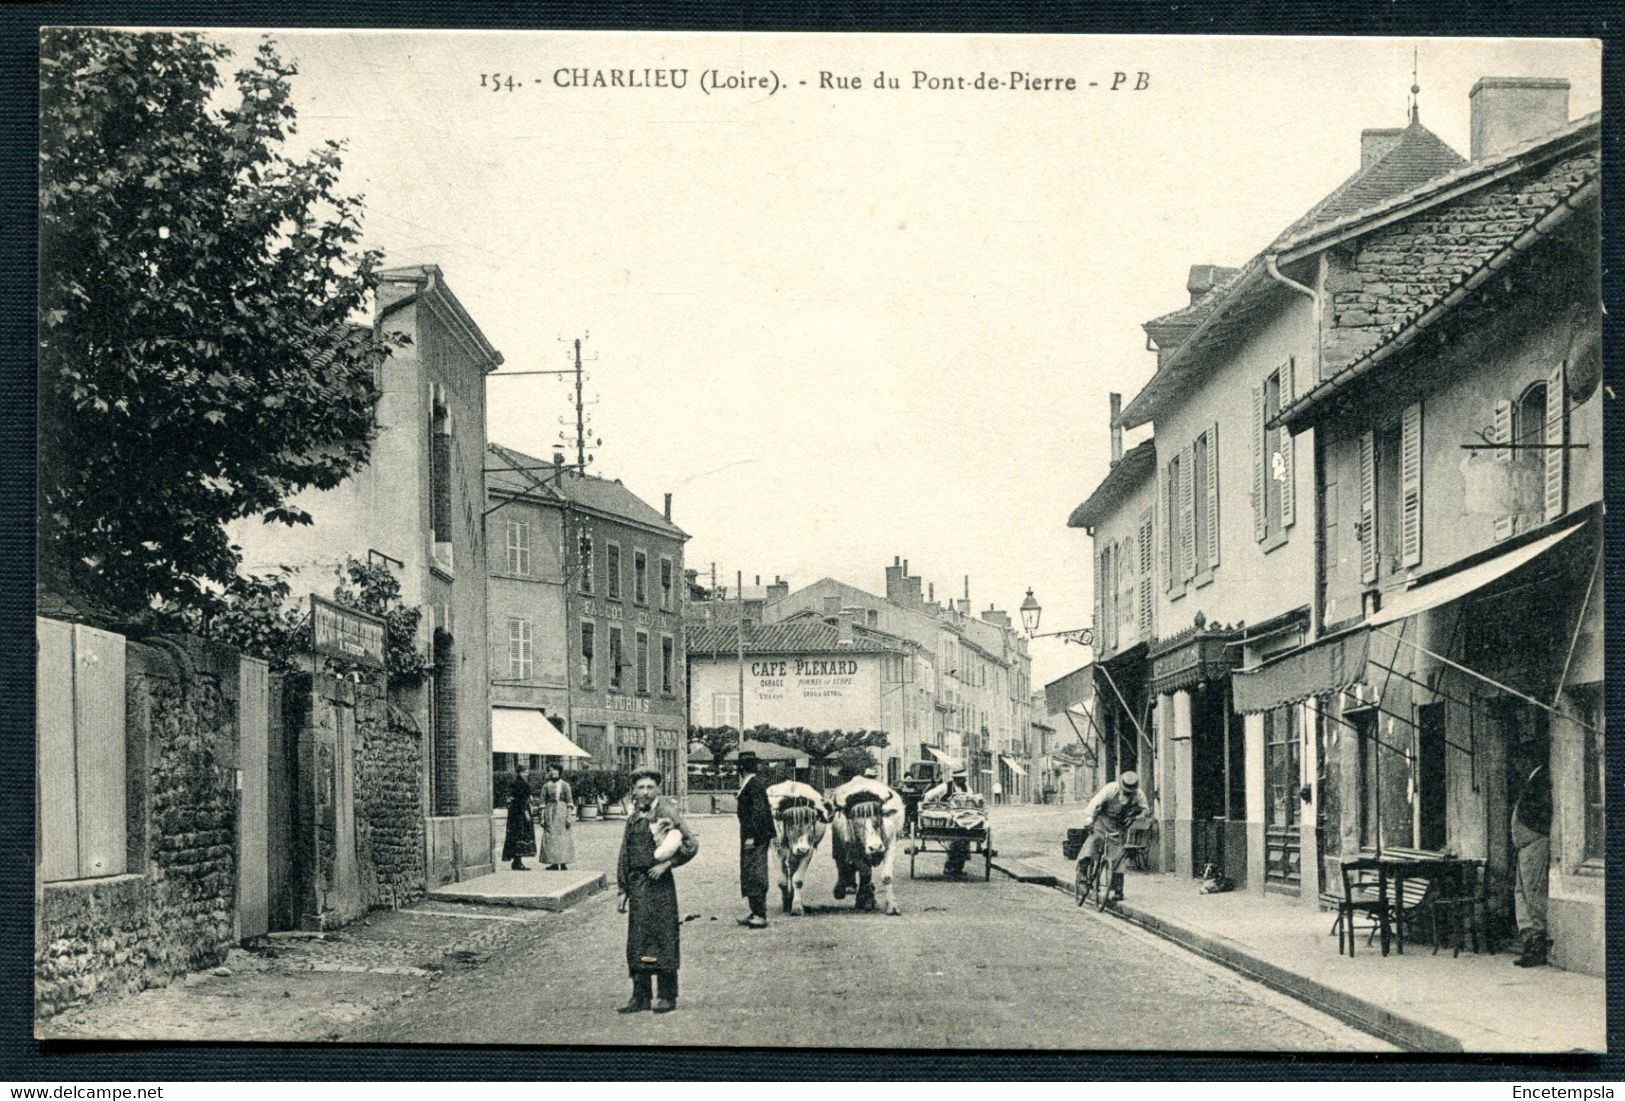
1137	465
600	495
798	636
1415	157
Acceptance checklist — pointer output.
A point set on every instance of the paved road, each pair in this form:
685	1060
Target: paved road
966	965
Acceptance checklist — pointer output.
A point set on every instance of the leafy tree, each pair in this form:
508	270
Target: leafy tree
720	740
255	615
197	363
821	745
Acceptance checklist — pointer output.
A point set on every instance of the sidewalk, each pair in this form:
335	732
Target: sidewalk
1418	1000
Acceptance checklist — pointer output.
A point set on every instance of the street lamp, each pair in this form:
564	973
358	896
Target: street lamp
1030	611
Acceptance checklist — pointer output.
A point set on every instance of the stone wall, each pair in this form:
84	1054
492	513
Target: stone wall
177	913
1396	273
388	803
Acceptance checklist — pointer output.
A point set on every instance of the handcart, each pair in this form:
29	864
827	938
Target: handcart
941	825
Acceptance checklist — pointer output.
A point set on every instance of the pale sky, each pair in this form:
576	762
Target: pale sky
841	326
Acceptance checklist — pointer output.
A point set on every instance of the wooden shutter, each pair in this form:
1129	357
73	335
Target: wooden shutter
1410	486
1556	435
1284	442
1368	507
1165	525
1260	521
1099	620
1503	430
1187	513
1145	574
1212	493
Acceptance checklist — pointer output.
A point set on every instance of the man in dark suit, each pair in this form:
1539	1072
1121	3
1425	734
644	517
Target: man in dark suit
755	836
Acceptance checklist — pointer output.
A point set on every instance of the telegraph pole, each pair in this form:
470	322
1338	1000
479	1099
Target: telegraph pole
739	600
581	422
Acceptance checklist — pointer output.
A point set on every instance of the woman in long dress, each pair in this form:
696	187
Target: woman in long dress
558	846
519	840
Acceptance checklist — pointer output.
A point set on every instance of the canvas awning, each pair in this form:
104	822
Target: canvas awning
1016	766
951	763
526	732
1458	585
1329	665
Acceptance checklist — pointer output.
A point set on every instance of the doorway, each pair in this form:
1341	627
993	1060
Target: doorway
1218	784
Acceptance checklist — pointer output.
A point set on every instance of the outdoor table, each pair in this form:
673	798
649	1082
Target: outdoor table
1445	870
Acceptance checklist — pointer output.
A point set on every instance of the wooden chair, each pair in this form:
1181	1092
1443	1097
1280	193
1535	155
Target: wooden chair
1142	835
1364	893
1464	905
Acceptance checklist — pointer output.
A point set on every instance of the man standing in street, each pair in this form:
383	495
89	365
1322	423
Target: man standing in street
755	835
649	895
1531	847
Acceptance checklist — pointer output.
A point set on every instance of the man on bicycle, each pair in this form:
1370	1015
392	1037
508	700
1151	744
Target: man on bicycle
1107	817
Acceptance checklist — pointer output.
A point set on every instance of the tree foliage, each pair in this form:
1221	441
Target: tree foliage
720	740
197	363
374	589
820	745
254	614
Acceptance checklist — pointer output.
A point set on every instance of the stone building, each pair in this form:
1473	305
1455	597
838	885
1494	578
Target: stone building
1458	608
416	507
587	600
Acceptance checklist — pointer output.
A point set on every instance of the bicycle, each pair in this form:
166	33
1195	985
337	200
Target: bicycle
1091	878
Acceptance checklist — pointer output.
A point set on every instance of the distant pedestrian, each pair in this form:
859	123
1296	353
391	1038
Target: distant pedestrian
520	838
648	894
558	846
755	835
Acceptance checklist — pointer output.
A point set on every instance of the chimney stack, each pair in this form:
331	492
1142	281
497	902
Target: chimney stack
932	589
1374	145
1509	110
668	508
558	458
1116	429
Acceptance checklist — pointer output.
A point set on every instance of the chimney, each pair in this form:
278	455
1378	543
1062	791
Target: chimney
995	616
967	592
758	581
668	508
1116	429
1202	279
894	581
558	458
843	628
932	589
779	589
1509	110
1374	144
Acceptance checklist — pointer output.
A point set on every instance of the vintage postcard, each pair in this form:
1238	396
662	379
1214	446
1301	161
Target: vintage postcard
820	540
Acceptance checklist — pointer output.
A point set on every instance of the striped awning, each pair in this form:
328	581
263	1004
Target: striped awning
1329	665
951	763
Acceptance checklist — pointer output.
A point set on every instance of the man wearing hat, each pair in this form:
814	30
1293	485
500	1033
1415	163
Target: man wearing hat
958	851
755	836
1107	817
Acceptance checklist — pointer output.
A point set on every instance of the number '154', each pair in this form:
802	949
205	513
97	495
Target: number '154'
497	82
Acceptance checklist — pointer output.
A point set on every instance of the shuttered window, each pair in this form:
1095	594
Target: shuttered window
588	631
519	648
585	560
615	656
1410	487
642	656
1556	451
1166	525
519	547
1368	507
1145	574
1187	514
1274	487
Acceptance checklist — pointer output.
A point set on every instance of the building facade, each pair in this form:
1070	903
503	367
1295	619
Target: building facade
587	602
416	506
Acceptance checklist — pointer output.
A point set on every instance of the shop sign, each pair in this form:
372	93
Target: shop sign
346	633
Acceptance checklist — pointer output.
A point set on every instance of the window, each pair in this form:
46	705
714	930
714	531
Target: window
587	631
614	657
1282	770
666	762
519	648
1199	475
1390	527
725	709
1430	777
1387	796
667	577
1173	545
440	450
519	547
640	577
642	654
584	561
612	567
1538	423
1585	702
628	758
1273	485
667	652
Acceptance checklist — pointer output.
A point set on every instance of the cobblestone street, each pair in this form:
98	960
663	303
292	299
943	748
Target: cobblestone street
975	964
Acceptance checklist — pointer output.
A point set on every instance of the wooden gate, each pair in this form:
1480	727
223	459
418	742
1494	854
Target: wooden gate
80	771
253	822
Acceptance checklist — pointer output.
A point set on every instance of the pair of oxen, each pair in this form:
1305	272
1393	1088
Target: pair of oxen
864	817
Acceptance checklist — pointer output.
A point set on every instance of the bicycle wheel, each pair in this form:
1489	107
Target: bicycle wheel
1103	879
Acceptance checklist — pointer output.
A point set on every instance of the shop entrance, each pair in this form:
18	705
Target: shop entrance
1283	779
1218	784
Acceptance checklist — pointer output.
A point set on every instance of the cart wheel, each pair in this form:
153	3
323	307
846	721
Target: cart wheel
987	857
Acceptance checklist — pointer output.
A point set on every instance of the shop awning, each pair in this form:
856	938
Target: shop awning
1458	585
1016	766
1329	665
949	762
520	730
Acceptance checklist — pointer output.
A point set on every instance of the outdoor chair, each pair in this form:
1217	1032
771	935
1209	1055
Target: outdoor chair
1363	895
1465	909
1142	836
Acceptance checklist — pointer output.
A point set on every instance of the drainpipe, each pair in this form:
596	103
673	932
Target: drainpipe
1314	299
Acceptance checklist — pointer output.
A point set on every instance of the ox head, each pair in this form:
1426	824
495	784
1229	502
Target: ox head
802	829
869	835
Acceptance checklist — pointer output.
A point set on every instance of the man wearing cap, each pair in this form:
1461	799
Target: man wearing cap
655	841
1108	816
958	851
755	835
